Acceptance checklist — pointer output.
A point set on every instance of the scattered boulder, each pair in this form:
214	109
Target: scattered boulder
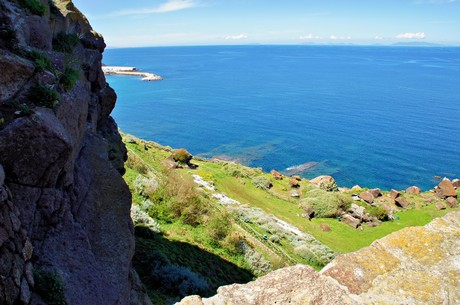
367	196
445	189
402	202
357	211
456	183
326	183
351	221
451	202
394	194
440	206
376	192
294	183
324	227
355	197
309	213
413	190
296	177
268	185
294	194
276	175
356	188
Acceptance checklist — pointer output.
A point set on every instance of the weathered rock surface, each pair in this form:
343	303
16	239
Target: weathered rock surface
64	207
402	202
293	285
417	265
413	190
367	196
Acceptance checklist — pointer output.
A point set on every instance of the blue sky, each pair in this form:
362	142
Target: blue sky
204	22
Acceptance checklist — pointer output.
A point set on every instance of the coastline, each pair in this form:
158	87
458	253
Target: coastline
130	71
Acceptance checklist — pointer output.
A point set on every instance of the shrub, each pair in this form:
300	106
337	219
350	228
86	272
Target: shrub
44	96
179	280
182	155
259	265
325	204
69	78
141	218
65	43
234	242
145	186
33	6
219	226
313	256
49	286
379	212
261	182
41	61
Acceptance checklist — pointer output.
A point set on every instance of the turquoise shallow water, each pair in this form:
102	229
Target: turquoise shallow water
374	116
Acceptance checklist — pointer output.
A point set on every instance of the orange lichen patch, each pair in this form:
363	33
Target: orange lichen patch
417	285
421	244
357	270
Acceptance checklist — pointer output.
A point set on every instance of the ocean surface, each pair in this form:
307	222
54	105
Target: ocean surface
383	117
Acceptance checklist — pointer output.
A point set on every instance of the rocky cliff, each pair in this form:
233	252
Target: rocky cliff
418	265
65	230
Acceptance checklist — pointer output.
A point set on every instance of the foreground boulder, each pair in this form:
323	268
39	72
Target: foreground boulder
417	265
445	189
326	183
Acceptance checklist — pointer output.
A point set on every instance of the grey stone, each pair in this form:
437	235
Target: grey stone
2	175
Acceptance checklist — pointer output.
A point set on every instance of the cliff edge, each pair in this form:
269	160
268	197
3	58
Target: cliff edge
417	265
65	230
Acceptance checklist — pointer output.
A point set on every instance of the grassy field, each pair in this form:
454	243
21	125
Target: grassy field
206	245
342	238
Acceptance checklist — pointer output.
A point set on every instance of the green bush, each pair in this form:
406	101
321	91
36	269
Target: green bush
33	6
182	156
49	286
44	96
379	212
261	182
219	226
65	43
325	204
41	61
69	78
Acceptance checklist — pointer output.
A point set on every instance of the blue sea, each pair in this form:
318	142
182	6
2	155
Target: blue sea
383	117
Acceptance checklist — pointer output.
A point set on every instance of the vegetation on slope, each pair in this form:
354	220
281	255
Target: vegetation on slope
211	223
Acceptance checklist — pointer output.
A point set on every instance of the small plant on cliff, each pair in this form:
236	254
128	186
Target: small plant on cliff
182	156
69	78
49	286
33	6
41	61
65	43
44	96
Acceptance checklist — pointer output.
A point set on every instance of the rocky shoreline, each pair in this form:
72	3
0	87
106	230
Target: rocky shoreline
130	71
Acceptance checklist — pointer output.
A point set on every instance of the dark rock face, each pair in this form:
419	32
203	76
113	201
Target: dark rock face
64	207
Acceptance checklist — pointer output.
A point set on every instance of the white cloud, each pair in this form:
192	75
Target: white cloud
168	6
237	37
310	36
334	37
378	38
418	35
